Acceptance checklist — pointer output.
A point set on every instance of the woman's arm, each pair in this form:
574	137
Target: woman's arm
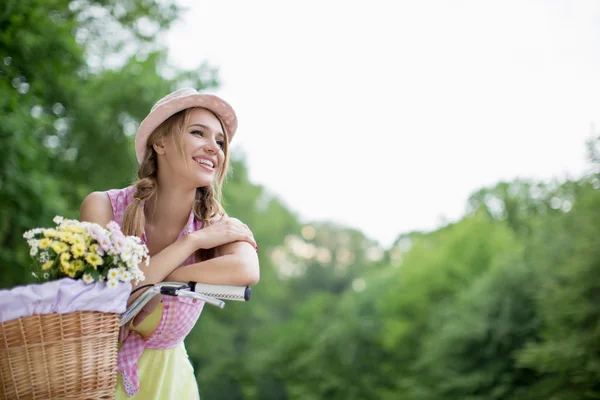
96	208
234	264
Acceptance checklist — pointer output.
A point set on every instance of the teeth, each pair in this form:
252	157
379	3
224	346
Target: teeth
203	161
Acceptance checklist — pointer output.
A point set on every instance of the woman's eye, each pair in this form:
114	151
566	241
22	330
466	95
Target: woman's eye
220	143
197	132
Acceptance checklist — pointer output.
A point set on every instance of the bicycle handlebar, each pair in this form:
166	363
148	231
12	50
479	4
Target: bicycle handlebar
201	291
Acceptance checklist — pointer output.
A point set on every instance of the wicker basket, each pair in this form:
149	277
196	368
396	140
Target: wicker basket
59	356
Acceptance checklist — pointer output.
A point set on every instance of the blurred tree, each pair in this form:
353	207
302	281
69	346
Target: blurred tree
70	97
470	349
566	250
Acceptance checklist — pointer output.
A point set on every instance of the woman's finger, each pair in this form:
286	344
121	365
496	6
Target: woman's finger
247	236
123	333
239	233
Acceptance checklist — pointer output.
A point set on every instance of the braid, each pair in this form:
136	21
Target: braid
134	218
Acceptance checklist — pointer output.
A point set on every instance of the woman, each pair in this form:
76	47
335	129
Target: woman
182	148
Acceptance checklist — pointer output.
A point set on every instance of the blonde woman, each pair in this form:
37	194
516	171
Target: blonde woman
174	207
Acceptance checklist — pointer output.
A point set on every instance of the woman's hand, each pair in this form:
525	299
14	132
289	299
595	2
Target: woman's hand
144	312
223	231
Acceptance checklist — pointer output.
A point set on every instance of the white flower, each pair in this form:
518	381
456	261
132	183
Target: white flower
126	276
87	278
126	255
33	243
46	275
119	244
28	235
130	264
58	219
112	283
113	273
139	276
44	257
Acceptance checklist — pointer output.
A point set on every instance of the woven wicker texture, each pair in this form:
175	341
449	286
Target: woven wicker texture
59	356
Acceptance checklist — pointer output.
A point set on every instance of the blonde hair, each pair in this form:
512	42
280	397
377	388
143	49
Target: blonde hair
207	204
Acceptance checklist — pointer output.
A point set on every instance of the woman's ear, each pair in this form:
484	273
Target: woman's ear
159	147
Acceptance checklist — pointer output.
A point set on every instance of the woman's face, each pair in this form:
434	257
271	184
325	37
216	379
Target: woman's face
203	157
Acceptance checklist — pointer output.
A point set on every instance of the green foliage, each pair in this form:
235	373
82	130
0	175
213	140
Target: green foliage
434	270
566	355
502	304
67	124
470	348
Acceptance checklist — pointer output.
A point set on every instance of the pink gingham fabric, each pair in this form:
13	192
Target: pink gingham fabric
179	315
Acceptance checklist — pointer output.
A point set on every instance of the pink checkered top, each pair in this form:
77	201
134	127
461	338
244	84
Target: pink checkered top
179	314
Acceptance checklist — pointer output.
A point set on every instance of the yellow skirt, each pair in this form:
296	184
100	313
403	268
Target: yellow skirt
164	374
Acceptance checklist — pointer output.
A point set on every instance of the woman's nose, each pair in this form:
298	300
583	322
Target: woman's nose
211	147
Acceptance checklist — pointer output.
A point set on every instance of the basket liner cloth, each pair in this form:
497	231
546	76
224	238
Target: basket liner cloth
62	296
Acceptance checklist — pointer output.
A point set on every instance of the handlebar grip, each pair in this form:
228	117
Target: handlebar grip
224	292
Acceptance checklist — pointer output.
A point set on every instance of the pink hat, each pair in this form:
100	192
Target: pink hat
180	100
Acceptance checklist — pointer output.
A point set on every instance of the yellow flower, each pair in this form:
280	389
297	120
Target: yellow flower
59	247
71	272
94	259
64	259
79	240
51	233
65	265
72	229
93	249
45	243
67	237
47	265
78	250
78	265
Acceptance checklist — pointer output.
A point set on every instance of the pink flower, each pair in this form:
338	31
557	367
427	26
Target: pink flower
105	243
113	227
95	232
119	243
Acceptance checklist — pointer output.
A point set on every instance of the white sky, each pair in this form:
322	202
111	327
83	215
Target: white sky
386	115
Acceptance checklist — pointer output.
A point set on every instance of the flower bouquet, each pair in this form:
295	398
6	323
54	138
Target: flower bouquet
84	250
58	338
